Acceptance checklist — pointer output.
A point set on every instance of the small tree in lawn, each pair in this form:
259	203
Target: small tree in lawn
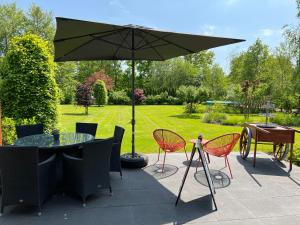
139	95
100	92
84	96
190	95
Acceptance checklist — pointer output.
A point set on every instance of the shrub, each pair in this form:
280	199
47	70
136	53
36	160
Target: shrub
100	92
214	117
119	98
190	108
152	99
139	96
174	101
286	119
8	130
84	96
29	88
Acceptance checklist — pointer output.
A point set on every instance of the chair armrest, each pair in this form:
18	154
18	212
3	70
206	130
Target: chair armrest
47	161
68	157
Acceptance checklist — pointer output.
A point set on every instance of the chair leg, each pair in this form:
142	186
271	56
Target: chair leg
110	191
187	158
121	174
2	209
208	159
158	156
226	159
164	163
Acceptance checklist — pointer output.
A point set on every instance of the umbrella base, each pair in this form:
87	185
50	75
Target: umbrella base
138	161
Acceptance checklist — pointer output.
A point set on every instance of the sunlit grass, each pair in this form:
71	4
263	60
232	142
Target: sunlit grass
149	118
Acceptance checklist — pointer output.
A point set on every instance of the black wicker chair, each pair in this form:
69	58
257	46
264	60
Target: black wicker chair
86	175
115	163
25	180
26	130
88	128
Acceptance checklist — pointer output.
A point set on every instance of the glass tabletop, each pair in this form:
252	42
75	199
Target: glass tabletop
47	140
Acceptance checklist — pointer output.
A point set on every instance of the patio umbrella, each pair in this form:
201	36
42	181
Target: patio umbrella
78	40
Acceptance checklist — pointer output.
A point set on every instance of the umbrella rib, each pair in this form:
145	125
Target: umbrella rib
153	46
122	42
112	43
170	42
74	49
91	34
157	39
147	42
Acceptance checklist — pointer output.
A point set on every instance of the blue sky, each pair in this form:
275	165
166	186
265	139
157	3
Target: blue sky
246	19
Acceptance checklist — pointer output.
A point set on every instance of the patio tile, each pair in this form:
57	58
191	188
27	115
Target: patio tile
261	195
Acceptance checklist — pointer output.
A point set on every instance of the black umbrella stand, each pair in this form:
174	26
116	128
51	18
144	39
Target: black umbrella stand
133	159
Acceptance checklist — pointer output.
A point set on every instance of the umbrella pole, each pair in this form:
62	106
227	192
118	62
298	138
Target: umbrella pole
133	98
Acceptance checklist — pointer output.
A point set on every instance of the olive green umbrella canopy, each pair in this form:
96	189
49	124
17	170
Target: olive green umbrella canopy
78	40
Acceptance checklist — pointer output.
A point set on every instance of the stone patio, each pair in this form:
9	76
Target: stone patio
261	195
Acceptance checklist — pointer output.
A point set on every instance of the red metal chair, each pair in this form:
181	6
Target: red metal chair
168	141
221	146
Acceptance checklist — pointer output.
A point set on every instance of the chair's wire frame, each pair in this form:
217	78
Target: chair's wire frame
164	148
229	146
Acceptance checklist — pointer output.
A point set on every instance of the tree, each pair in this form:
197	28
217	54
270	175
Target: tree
249	69
29	90
84	96
12	23
190	95
100	92
40	23
292	36
170	75
108	81
215	83
65	78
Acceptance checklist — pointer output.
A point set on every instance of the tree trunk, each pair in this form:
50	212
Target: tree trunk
86	110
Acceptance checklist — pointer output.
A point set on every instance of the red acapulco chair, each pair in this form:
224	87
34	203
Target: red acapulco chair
222	146
168	141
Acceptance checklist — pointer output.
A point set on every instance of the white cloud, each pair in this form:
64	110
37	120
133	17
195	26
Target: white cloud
208	29
267	32
118	4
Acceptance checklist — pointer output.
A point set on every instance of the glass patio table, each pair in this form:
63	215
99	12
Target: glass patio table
48	141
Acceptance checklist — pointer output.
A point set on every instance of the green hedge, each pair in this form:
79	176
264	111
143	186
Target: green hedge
29	89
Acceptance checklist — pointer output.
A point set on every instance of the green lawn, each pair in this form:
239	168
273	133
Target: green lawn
148	118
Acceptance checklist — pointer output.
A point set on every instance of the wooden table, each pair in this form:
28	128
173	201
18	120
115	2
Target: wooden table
282	138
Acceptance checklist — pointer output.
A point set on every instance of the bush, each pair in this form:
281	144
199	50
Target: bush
214	117
286	119
100	92
29	89
190	108
162	98
8	130
139	96
119	98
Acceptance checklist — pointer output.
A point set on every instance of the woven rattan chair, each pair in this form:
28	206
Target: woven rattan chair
27	130
222	146
168	141
88	128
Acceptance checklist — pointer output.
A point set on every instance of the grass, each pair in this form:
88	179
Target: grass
149	118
